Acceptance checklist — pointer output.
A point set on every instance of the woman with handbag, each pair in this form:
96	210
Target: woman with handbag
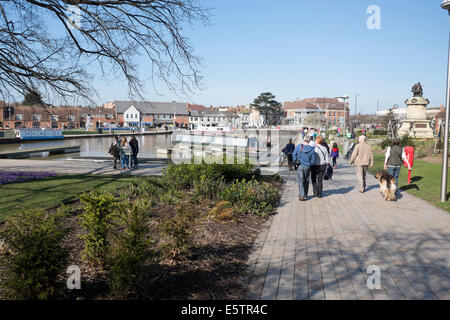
322	160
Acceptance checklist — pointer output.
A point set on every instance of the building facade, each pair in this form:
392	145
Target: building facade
61	117
323	111
140	114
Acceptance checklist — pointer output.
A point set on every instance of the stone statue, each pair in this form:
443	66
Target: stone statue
417	90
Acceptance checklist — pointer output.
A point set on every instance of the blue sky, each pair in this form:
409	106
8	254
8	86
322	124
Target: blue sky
303	48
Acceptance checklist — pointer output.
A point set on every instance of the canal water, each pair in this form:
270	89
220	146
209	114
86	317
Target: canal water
148	145
94	147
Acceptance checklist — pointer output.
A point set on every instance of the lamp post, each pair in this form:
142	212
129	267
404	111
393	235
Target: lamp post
356	103
345	98
446	6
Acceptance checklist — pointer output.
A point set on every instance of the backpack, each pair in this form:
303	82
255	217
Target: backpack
297	162
114	150
329	173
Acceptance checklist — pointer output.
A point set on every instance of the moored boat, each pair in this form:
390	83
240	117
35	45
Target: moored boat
25	134
8	136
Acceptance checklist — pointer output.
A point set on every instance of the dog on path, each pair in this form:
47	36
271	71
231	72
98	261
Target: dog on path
388	187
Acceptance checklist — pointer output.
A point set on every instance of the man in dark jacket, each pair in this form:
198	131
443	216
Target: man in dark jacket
134	144
289	150
305	154
114	151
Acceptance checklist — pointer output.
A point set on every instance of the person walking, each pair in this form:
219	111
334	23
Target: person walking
114	151
334	154
134	144
322	160
124	159
288	151
394	158
362	157
306	156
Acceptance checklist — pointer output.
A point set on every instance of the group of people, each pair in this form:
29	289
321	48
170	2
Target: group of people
312	134
118	151
313	156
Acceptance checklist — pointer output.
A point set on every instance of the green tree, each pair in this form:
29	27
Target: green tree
269	108
32	98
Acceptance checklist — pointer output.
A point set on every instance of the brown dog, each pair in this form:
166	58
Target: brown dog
388	188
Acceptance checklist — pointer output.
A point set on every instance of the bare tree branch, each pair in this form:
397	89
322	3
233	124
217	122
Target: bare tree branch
111	34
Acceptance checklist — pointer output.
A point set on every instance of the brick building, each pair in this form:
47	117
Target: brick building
138	113
330	109
14	115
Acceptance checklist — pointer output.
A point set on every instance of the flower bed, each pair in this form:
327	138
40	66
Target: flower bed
13	177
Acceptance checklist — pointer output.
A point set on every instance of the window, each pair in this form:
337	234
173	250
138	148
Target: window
55	117
19	117
127	115
36	117
71	117
335	113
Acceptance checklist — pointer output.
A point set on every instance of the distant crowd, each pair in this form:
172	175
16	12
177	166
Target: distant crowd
315	161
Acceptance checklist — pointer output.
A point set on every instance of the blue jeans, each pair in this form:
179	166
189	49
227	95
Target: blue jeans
303	180
124	159
394	171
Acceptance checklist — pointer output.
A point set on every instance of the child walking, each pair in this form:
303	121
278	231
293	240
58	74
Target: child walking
335	154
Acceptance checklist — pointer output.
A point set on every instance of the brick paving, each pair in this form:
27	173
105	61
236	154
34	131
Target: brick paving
322	248
76	167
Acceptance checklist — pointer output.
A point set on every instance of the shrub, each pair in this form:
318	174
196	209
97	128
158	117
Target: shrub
171	196
251	197
179	232
185	175
208	187
405	140
130	251
223	211
181	175
35	256
231	172
378	132
99	209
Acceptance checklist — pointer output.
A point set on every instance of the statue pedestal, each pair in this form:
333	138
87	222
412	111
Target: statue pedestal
416	124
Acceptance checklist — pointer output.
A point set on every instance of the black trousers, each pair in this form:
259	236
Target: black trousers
290	161
317	173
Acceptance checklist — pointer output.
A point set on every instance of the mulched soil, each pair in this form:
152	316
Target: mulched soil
213	268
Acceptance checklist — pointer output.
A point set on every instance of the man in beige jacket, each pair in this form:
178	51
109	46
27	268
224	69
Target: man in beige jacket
362	157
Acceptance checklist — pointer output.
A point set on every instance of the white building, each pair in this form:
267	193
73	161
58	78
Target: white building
213	118
256	119
131	116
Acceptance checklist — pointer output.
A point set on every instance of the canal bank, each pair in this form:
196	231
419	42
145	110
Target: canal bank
96	167
94	146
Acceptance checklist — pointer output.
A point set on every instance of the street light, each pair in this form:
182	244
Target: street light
446	6
345	98
356	103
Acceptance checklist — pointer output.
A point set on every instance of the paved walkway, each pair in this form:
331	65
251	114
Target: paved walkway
322	248
75	167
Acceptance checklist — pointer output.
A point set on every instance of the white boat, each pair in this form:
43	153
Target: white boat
213	129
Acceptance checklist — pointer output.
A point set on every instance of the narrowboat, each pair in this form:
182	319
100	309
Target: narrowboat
27	134
8	136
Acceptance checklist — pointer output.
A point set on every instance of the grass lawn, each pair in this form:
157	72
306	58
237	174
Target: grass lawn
425	180
51	192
